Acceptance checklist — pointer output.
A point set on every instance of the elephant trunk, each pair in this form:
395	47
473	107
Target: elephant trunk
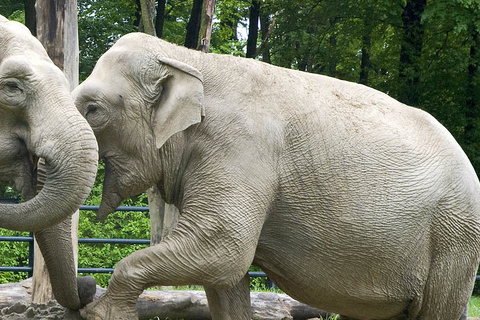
71	155
55	243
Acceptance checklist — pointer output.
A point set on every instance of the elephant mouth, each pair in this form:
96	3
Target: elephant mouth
27	181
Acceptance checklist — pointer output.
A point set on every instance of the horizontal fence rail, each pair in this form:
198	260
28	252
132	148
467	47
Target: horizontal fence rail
29	239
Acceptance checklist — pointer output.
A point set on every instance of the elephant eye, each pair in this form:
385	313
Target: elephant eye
97	116
12	86
91	108
12	92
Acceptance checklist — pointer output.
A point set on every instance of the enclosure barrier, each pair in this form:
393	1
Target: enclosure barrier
29	239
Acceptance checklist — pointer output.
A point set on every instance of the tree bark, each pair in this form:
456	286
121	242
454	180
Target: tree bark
148	12
253	29
160	19
206	25
193	26
410	52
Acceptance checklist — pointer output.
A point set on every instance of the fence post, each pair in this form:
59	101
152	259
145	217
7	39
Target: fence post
57	30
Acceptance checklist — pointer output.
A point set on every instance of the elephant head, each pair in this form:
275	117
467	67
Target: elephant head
39	120
169	95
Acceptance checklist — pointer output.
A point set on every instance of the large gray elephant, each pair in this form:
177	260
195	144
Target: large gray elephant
39	120
350	201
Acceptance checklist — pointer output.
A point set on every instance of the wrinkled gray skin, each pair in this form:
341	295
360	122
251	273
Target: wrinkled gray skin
350	201
38	119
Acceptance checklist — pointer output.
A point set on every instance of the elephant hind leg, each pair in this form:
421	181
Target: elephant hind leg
232	303
447	290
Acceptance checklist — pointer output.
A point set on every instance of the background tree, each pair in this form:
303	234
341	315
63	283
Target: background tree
410	51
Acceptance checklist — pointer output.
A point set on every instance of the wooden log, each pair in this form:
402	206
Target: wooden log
187	305
57	30
192	305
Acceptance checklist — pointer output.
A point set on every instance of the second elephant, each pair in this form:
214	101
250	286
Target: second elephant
350	201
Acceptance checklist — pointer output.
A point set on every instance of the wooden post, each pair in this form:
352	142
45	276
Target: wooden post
57	30
163	216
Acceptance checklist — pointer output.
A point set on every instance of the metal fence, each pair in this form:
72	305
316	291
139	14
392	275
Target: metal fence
29	239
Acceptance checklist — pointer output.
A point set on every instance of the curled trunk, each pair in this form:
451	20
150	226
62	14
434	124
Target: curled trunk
70	153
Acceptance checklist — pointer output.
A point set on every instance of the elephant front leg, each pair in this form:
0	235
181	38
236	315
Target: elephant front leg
232	303
120	300
180	259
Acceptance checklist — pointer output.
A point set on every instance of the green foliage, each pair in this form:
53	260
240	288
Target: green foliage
8	7
18	15
119	225
474	307
177	13
13	254
100	24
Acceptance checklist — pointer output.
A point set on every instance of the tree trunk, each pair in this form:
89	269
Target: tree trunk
410	52
193	26
253	29
160	19
148	12
57	30
366	63
332	62
206	25
138	16
471	131
30	17
265	31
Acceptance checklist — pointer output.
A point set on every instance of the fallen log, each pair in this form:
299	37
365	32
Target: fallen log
15	299
192	305
174	304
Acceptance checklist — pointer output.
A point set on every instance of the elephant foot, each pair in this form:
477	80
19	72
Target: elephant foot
109	308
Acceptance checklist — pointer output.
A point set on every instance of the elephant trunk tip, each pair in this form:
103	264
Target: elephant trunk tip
103	212
87	287
110	202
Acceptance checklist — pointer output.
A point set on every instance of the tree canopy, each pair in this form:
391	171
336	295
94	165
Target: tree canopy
424	53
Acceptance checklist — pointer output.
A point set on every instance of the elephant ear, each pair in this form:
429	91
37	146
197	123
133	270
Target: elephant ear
180	100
